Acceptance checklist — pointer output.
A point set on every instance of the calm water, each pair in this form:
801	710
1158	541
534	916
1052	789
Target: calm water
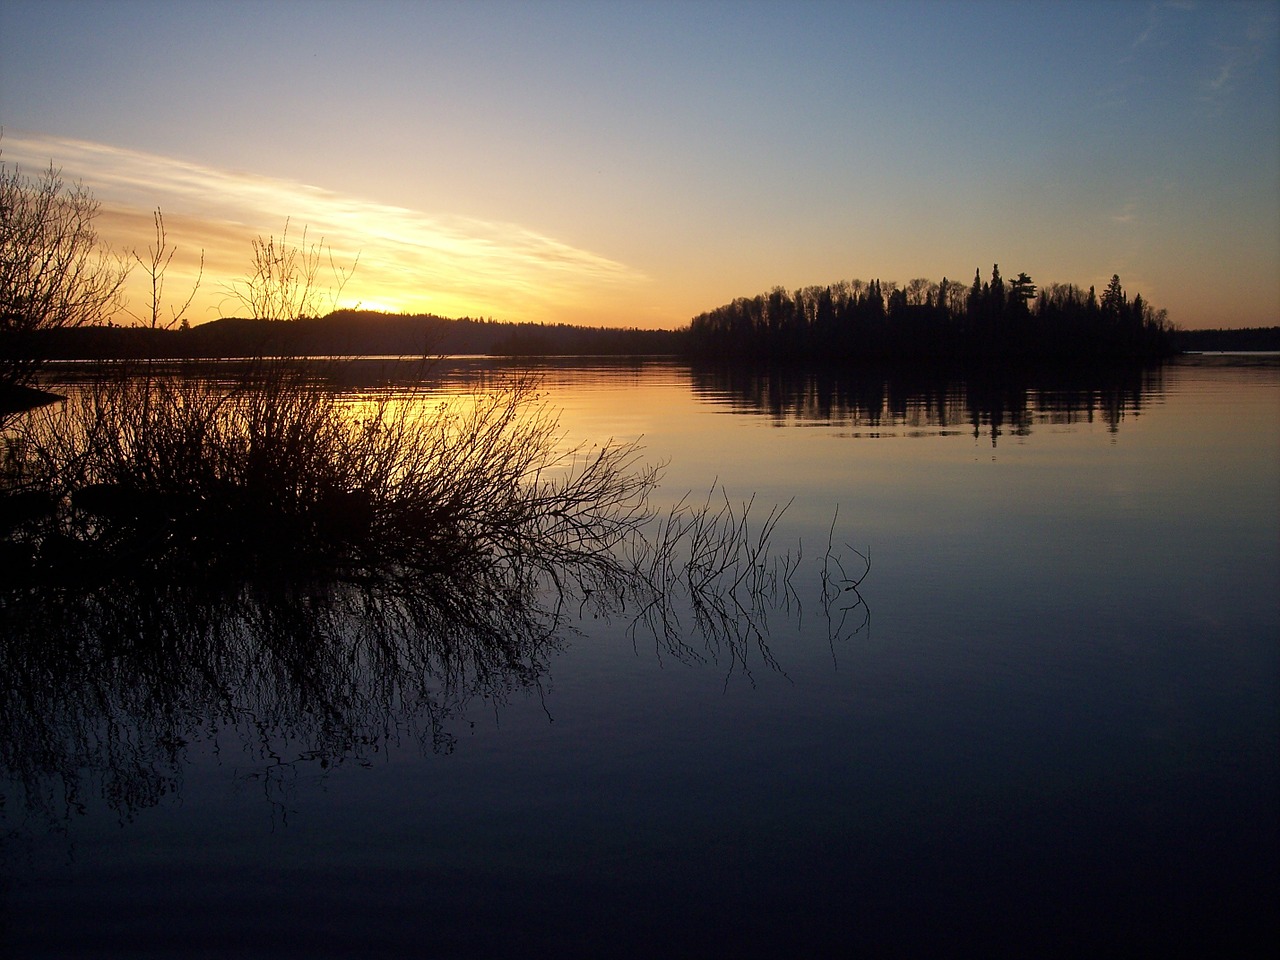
1057	733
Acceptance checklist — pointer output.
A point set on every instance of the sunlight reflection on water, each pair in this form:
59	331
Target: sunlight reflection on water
1057	732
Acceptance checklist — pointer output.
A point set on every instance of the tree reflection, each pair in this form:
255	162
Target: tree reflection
875	400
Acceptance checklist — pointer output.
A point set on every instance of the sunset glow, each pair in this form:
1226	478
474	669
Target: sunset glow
398	260
636	164
631	478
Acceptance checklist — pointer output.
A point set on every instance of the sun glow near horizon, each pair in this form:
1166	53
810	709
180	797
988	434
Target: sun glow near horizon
377	256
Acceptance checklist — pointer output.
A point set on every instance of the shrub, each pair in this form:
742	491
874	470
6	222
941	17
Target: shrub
277	465
269	558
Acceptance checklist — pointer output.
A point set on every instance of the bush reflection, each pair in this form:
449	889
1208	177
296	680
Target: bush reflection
110	684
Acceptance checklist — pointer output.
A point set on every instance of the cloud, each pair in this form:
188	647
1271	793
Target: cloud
1153	23
408	260
1236	58
1126	214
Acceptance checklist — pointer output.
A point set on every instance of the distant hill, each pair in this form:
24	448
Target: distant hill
1250	338
354	333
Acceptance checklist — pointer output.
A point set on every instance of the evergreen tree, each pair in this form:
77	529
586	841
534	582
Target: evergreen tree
1020	291
975	292
1113	299
997	292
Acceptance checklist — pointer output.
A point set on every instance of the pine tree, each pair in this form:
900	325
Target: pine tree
1020	291
1113	298
997	298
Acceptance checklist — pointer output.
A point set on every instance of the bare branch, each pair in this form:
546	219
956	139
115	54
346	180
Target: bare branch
53	272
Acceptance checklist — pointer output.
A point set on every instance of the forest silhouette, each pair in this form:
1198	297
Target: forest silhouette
944	322
850	322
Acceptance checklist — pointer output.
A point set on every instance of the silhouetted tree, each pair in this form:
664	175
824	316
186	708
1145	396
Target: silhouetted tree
54	274
155	265
975	293
1113	299
997	292
1021	290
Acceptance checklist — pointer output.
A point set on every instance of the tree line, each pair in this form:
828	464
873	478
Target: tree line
946	321
1251	339
351	333
58	285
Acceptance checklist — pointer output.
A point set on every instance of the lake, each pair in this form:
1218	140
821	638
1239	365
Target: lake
1047	721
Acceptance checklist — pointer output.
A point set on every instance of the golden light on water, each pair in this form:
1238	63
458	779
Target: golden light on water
405	260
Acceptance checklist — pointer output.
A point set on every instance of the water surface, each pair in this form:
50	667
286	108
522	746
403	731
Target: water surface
1057	733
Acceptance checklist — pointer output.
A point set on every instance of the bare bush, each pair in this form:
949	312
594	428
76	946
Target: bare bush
284	283
155	265
279	464
318	576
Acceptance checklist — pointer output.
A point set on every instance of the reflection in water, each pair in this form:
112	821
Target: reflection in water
878	402
1069	706
109	684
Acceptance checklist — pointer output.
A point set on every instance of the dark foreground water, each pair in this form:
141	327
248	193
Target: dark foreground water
1058	733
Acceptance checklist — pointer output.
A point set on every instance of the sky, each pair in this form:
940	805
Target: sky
636	163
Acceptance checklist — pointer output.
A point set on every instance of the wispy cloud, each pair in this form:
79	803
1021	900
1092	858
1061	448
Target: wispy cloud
1154	13
408	260
1126	214
1162	17
1236	58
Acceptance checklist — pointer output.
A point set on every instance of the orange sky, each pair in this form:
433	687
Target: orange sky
638	163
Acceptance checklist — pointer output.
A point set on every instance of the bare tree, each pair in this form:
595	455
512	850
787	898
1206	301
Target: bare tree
54	273
283	279
919	290
955	293
155	264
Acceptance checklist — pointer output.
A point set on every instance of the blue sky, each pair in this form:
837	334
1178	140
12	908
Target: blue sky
637	163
